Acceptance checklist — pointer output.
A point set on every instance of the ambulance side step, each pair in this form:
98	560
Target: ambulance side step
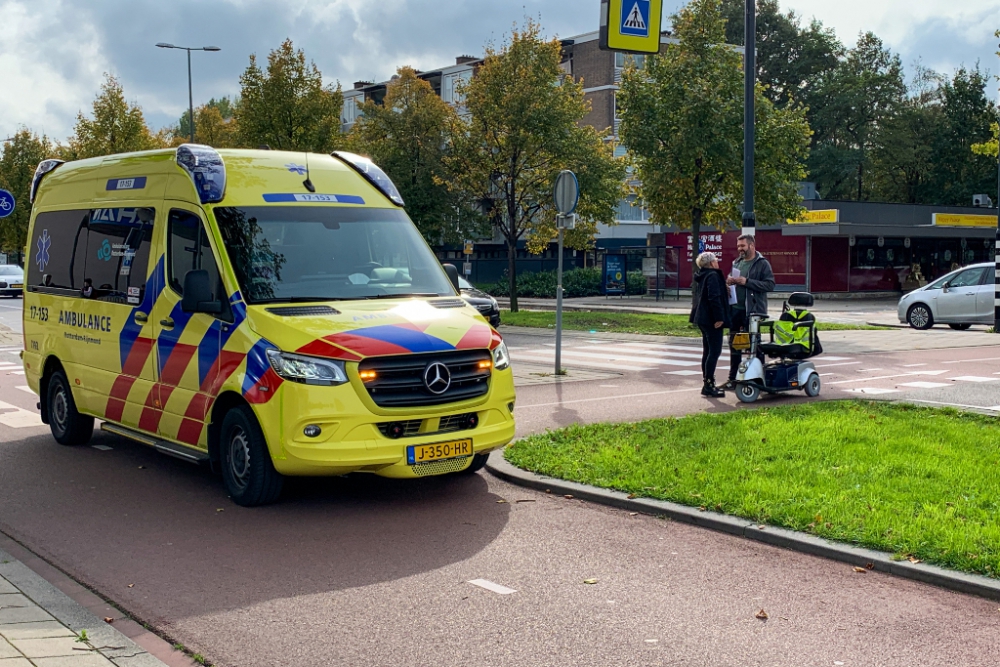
163	446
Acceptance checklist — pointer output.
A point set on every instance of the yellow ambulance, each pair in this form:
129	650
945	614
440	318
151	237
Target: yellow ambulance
271	313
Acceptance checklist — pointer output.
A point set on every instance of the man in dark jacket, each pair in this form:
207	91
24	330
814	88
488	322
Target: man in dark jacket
755	280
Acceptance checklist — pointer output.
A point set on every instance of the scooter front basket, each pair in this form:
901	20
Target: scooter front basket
740	341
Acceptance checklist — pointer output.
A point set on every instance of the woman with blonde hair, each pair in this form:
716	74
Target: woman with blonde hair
711	315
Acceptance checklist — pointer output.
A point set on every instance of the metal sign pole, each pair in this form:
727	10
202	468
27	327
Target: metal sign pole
559	297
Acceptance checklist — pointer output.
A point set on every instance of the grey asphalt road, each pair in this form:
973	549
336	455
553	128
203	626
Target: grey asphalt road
360	570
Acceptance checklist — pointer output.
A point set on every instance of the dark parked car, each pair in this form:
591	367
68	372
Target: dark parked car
481	301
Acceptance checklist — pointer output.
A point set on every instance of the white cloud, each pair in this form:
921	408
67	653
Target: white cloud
52	65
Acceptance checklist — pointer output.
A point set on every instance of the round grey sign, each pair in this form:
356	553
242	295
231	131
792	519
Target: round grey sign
567	192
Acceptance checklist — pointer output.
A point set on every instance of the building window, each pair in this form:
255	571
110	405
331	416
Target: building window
629	213
621	59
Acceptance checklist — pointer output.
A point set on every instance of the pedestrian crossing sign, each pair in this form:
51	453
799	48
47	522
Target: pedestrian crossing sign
632	26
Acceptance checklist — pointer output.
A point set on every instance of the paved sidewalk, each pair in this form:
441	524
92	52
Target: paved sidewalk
42	627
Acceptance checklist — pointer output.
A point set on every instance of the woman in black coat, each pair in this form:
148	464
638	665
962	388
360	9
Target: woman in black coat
711	314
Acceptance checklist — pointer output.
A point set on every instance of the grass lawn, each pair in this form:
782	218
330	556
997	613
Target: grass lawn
917	482
637	323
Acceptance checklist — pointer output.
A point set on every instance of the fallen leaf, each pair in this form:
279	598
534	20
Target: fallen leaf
131	585
914	559
142	467
870	566
631	495
761	527
548	490
219	509
499	502
633	514
525	500
590	581
568	497
718	508
702	508
108	619
860	569
762	615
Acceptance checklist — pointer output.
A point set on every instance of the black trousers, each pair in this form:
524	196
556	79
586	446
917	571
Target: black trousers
711	349
740	322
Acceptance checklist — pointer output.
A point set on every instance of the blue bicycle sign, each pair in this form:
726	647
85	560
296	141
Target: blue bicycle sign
7	203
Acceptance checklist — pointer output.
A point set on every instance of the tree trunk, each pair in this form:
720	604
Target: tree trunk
512	273
695	235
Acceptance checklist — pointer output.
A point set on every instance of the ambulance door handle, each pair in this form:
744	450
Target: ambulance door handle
167	323
141	318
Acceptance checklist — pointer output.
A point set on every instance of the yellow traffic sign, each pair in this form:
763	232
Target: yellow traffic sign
631	25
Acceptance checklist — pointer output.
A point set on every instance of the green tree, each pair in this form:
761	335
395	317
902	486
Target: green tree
407	135
682	121
791	59
852	103
214	125
21	154
287	107
116	127
522	128
968	117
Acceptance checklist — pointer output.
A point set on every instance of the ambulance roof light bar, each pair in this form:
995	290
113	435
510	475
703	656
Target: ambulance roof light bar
44	167
373	174
207	170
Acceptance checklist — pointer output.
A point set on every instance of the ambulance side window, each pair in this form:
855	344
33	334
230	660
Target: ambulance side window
190	249
58	250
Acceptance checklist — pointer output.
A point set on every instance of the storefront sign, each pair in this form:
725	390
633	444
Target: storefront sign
614	274
825	216
963	220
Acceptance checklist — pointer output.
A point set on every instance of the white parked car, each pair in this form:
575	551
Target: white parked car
11	280
960	299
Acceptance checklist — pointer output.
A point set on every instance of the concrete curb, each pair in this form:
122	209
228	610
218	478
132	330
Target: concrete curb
779	537
108	641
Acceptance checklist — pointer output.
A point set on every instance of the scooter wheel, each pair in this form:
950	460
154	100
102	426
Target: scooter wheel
812	385
747	393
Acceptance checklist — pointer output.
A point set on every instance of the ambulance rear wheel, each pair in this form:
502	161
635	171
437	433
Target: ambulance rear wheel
813	385
747	392
247	469
68	426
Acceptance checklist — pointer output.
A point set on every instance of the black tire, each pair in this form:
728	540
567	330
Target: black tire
813	385
247	470
747	392
960	327
919	316
69	427
478	461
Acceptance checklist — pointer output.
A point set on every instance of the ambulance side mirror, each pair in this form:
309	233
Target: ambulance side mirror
452	272
198	294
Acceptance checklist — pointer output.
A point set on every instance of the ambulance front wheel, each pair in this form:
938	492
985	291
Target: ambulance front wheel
747	392
247	469
813	385
69	427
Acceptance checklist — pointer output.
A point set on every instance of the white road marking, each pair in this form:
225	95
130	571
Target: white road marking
823	375
967	361
18	373
928	372
21	419
871	390
912	365
26	388
869	370
103	448
847	363
837	358
608	386
973	378
8	406
877	377
924	385
681	372
490	586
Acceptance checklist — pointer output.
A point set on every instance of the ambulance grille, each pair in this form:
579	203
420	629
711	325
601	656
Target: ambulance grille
303	311
441	467
399	381
451	303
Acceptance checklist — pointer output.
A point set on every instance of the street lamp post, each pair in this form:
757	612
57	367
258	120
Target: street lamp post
749	134
996	250
189	49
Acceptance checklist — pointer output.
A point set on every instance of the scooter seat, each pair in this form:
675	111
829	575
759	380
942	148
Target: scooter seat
792	351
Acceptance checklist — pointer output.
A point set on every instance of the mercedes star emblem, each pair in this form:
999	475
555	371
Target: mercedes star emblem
437	378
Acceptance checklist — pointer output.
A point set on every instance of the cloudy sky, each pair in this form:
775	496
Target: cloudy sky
53	52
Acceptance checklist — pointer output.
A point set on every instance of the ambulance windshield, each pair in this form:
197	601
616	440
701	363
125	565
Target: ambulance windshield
317	253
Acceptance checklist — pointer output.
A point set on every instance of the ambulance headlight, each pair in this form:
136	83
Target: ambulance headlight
307	370
501	359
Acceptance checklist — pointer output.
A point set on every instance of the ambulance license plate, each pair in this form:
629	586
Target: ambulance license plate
437	452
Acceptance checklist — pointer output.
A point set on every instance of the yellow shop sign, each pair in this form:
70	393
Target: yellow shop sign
828	216
963	220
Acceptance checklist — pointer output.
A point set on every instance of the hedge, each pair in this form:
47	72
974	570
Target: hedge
576	283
